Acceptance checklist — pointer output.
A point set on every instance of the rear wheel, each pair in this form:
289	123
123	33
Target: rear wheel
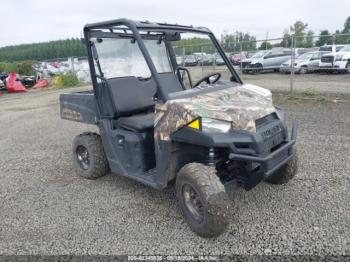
286	172
202	199
89	157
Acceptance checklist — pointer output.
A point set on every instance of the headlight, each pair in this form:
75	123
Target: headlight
338	57
210	125
213	125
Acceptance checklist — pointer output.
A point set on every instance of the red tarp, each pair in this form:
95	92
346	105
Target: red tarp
14	86
42	83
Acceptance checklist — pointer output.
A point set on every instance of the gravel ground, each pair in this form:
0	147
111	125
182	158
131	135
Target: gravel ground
310	83
47	209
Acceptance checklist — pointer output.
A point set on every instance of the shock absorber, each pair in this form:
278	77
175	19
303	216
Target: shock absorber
212	156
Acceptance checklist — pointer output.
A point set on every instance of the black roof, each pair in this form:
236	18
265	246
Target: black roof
145	25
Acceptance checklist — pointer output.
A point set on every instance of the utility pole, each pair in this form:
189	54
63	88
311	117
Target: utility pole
292	66
267	37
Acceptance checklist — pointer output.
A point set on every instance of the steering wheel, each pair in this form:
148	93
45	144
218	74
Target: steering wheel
207	79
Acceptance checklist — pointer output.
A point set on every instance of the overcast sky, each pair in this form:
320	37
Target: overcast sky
27	21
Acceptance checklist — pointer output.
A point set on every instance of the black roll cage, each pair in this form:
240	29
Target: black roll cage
95	30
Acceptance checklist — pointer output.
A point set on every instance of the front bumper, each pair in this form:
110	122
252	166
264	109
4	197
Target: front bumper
340	64
335	66
267	165
288	69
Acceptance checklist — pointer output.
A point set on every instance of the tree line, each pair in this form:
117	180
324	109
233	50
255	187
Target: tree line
231	42
305	37
43	51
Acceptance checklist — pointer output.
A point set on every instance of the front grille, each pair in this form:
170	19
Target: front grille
273	141
271	131
246	64
327	59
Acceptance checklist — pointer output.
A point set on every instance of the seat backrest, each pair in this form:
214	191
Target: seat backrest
131	95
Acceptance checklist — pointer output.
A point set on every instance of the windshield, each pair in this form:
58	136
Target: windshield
305	56
202	58
338	48
346	48
191	57
260	54
120	57
326	48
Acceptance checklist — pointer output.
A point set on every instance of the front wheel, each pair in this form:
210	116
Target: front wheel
303	70
202	199
89	157
286	172
347	68
257	68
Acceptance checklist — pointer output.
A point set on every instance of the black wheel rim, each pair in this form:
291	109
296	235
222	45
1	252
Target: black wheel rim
83	157
193	203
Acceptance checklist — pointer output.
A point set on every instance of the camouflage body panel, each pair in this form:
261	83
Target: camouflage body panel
240	105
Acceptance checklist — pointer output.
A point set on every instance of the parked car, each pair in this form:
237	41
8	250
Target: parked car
331	48
219	61
236	59
28	81
199	56
3	77
2	85
180	60
190	60
266	60
338	61
305	63
207	60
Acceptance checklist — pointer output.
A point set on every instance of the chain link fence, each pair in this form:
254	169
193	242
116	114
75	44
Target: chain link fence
308	64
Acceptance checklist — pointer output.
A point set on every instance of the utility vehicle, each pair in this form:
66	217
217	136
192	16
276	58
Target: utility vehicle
160	128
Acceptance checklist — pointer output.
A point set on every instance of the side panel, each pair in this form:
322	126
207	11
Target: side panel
130	154
79	107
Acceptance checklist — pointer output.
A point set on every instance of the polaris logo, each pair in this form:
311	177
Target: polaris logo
271	132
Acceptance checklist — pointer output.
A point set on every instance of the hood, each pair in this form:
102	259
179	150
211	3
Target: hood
330	54
240	105
342	53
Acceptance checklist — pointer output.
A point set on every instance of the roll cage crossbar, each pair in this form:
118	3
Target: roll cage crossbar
130	28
